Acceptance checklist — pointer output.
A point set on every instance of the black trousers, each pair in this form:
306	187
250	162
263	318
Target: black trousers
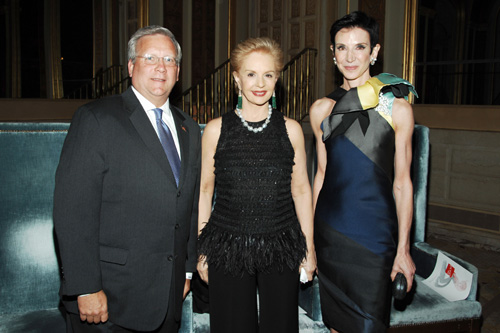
233	302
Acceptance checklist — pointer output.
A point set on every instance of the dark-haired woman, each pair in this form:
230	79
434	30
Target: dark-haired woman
363	193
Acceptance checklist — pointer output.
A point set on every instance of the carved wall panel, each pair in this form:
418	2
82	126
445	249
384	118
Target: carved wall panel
172	18
311	7
203	39
294	36
310	34
277	34
295	10
376	9
264	11
277	10
294	24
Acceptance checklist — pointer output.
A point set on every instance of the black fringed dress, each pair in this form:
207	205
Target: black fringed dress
253	226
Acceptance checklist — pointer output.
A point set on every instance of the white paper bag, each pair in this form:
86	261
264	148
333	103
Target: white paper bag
450	279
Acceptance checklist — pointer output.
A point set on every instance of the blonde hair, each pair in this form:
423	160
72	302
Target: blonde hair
259	44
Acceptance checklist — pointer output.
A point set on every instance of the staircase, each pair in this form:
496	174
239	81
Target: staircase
216	93
109	81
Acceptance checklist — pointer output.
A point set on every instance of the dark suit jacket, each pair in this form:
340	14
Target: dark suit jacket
121	223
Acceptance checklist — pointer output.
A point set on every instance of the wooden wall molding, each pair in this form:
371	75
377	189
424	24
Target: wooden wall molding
458	117
45	110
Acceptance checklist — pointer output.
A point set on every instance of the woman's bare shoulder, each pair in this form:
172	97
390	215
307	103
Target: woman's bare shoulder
320	109
211	132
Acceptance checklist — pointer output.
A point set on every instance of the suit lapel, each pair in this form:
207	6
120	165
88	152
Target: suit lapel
146	132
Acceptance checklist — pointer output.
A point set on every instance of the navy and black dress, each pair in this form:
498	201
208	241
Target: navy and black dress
355	218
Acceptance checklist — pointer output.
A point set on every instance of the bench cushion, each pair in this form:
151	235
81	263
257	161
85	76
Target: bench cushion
428	306
29	274
43	321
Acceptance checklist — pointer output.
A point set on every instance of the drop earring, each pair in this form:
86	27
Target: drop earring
335	61
273	100
372	61
240	100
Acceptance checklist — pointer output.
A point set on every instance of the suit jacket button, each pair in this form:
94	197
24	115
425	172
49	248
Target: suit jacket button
170	258
177	226
179	194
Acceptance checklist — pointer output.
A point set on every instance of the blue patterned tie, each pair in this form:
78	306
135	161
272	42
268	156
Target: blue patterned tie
167	141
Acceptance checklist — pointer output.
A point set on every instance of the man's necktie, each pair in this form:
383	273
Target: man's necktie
167	141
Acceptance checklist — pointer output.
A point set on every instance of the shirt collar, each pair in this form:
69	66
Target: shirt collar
147	105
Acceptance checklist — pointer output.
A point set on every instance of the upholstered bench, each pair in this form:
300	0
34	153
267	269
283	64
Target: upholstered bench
423	310
426	310
29	273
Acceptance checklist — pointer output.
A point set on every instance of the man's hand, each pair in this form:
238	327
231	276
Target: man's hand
93	307
187	288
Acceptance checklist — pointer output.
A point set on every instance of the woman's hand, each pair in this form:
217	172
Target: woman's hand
404	263
202	268
309	264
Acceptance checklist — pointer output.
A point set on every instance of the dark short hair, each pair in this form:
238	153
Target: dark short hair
356	19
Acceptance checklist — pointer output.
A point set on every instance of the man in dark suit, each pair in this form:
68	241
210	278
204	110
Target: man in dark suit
125	211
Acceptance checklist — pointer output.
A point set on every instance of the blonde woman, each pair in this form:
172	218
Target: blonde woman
260	232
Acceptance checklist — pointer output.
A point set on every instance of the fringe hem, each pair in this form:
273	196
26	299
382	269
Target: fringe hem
237	252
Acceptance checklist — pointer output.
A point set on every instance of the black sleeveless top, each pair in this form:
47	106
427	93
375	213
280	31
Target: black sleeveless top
253	225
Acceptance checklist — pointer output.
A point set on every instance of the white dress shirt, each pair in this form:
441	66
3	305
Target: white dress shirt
166	116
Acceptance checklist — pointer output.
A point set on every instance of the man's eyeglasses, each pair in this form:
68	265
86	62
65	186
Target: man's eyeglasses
153	60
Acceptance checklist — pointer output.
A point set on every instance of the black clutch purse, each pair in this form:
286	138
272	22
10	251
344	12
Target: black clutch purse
399	286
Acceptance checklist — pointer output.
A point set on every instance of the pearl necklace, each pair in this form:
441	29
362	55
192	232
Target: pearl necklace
255	129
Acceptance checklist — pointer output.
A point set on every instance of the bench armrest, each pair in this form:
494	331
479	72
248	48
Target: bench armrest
425	257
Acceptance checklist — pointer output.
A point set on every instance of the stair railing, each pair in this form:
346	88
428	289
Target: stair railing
210	98
109	81
298	77
216	93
